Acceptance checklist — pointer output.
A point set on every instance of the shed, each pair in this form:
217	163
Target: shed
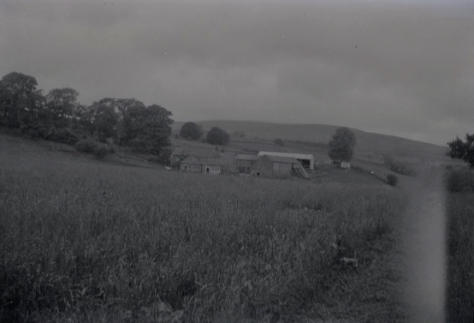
276	166
342	164
205	165
245	162
191	164
212	166
306	160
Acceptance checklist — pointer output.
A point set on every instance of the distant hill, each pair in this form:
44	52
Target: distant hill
368	144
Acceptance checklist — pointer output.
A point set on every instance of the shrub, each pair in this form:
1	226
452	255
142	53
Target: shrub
399	167
392	179
101	151
460	180
90	146
86	146
278	142
63	135
164	157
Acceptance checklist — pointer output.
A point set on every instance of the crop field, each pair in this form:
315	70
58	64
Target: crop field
87	241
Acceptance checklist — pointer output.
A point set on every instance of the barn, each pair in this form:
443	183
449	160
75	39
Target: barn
306	160
212	166
191	164
245	162
276	166
204	165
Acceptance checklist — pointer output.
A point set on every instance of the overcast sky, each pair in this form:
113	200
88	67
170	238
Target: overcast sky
396	67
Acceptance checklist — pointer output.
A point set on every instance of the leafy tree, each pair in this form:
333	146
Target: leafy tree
217	136
463	150
104	119
191	130
20	101
154	135
341	146
60	107
132	118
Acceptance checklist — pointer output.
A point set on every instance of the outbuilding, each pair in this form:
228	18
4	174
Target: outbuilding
306	160
245	162
279	167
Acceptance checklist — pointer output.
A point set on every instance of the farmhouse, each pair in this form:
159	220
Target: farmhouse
306	160
204	165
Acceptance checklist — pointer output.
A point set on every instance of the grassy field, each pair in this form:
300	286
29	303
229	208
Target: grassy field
88	241
460	287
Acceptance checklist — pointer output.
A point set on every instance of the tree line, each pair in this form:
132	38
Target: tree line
59	116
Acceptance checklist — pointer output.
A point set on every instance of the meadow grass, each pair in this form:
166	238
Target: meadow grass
460	257
88	241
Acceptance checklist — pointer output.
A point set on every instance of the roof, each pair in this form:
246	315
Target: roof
279	159
203	161
287	155
246	157
212	161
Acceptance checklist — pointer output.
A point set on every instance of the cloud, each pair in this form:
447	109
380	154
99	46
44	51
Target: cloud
389	67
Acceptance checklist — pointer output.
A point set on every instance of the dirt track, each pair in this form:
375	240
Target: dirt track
424	248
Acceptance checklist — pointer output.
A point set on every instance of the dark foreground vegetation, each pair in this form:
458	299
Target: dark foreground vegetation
83	241
460	211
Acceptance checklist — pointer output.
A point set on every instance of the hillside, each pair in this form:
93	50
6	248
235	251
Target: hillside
369	145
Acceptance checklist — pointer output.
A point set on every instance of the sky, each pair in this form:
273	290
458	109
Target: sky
395	67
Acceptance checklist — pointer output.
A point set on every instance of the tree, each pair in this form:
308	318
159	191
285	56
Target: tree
60	107
341	146
217	136
463	150
155	133
20	101
132	117
104	119
191	131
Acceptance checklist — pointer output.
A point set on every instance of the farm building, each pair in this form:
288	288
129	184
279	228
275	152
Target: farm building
245	162
191	164
306	160
276	166
342	164
206	165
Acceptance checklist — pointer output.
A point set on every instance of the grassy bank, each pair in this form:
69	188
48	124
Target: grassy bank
460	257
88	241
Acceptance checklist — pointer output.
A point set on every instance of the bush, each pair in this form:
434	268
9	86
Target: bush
101	151
399	167
278	142
164	157
90	146
392	179
86	146
63	135
460	180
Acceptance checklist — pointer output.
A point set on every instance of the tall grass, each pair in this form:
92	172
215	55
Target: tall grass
461	257
90	242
